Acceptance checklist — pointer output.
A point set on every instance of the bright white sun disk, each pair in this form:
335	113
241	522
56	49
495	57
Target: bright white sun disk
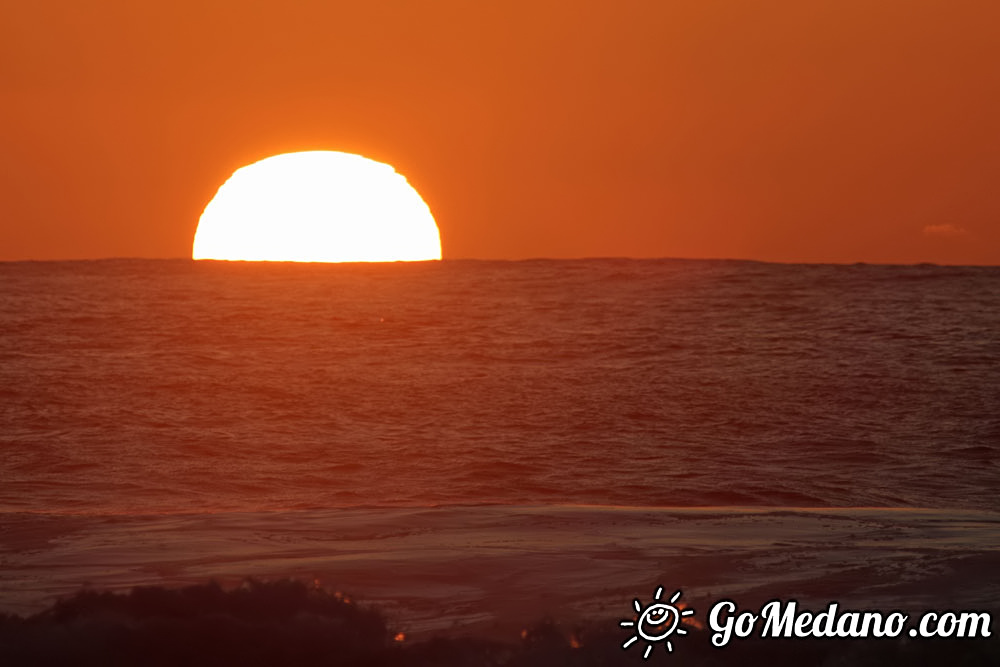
317	206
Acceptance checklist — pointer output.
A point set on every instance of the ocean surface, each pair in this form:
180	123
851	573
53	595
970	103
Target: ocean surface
460	442
159	386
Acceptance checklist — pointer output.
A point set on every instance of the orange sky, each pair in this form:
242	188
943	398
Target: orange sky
796	130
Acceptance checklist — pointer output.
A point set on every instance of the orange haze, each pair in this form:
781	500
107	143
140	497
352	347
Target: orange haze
828	130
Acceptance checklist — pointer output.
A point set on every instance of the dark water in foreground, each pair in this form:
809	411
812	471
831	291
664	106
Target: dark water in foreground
137	386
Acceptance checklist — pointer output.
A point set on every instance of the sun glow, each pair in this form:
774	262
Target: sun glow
317	206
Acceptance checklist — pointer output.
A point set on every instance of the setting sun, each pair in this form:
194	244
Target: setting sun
317	206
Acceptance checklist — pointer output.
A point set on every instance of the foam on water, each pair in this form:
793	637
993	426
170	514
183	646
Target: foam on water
494	568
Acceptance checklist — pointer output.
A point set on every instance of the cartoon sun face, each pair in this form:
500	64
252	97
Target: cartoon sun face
656	622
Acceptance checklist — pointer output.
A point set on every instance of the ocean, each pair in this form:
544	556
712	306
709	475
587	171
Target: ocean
588	427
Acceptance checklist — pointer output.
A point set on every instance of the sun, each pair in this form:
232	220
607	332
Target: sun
317	206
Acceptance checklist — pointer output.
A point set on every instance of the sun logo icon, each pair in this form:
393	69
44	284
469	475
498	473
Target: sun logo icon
656	622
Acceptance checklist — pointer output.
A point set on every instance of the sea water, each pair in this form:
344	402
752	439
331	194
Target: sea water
135	386
143	399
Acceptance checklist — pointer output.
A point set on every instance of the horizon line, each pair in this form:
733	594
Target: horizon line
520	259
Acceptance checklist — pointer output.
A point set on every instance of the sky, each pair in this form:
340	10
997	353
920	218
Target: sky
778	130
